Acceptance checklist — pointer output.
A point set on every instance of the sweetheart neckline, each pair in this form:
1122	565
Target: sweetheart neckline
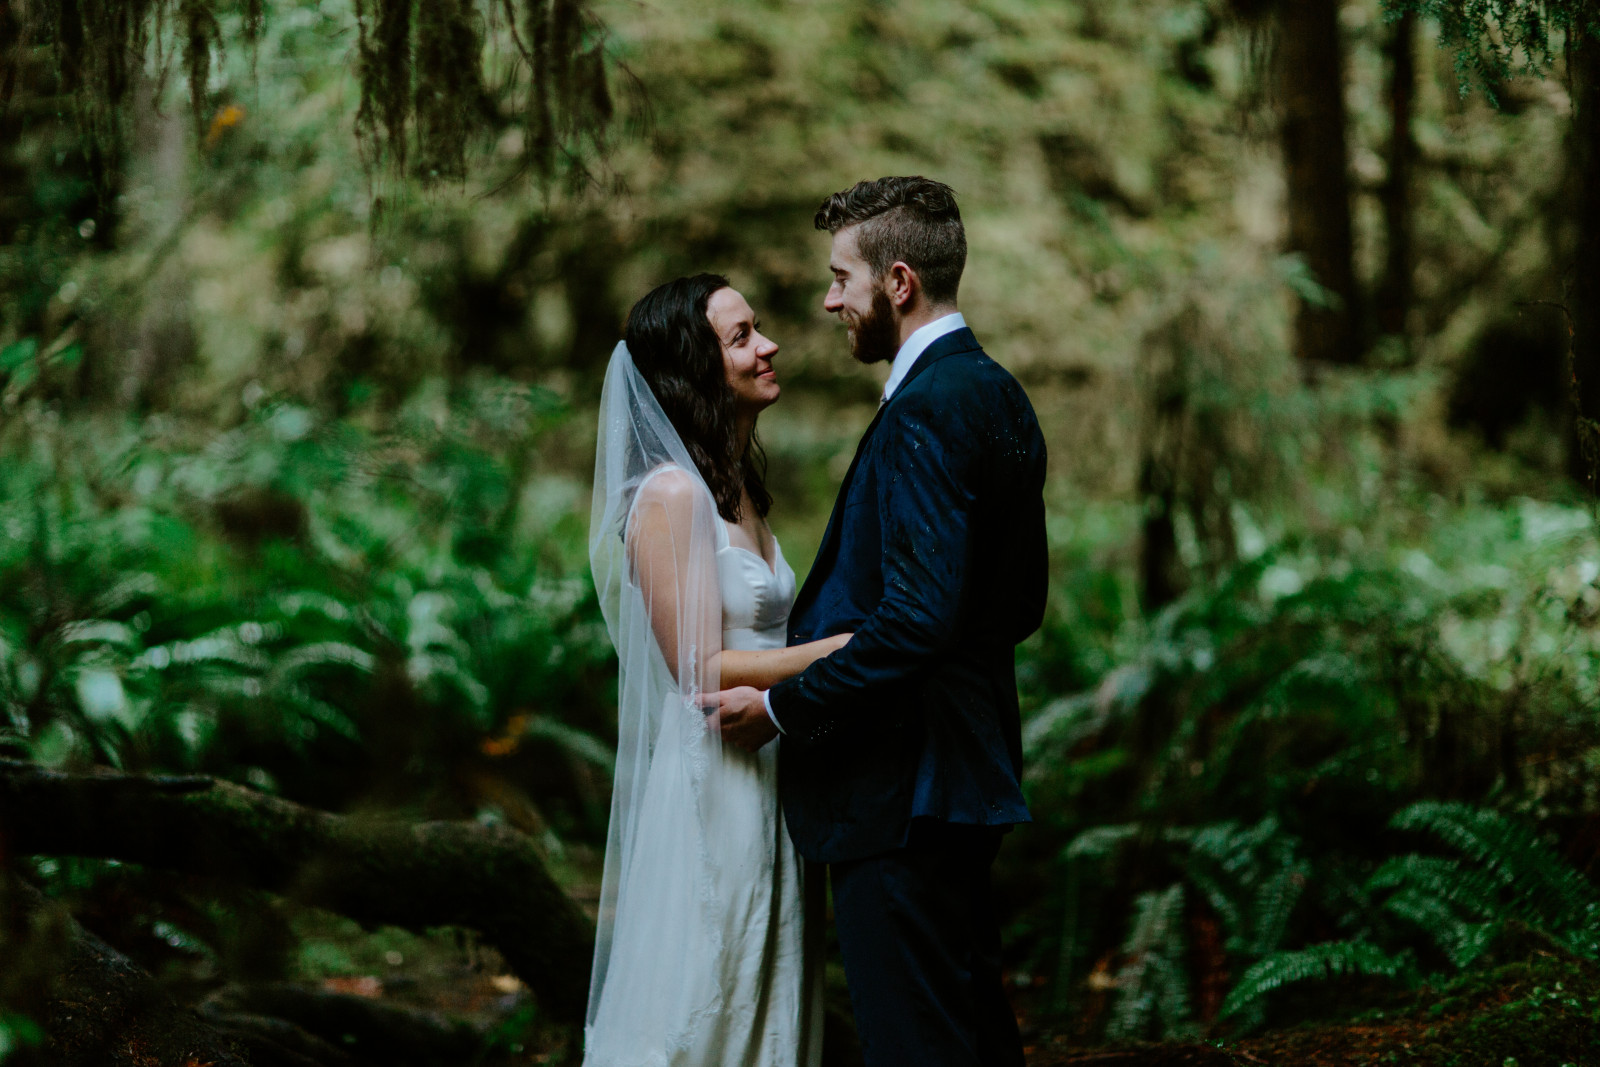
770	568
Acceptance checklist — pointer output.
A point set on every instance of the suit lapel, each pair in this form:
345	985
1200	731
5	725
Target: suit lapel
950	344
830	536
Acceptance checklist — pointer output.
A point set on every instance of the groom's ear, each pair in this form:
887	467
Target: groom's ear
902	285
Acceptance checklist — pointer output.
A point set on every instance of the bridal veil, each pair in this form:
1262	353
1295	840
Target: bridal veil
652	546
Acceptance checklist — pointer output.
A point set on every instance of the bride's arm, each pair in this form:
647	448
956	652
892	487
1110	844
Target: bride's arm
766	668
677	575
671	551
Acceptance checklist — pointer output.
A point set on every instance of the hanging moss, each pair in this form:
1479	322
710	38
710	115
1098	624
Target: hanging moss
451	101
201	37
385	74
541	143
419	64
97	45
254	14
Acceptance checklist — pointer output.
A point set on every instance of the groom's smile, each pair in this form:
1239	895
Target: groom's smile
861	302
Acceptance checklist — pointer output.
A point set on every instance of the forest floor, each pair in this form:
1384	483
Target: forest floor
1543	1011
1537	1008
1539	1011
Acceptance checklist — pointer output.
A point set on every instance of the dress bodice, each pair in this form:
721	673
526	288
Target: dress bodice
755	598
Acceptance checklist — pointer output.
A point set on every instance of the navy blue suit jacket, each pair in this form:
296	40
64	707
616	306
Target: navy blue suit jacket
935	557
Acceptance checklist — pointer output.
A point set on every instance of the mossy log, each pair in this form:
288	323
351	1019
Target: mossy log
374	870
98	1008
371	1030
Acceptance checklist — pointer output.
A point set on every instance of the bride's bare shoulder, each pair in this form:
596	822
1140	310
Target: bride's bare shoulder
668	485
668	499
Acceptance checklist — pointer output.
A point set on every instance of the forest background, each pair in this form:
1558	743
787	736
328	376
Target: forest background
303	310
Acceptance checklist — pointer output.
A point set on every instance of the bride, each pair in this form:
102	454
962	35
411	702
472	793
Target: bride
703	953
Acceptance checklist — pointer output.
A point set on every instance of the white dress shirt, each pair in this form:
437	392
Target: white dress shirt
904	359
917	344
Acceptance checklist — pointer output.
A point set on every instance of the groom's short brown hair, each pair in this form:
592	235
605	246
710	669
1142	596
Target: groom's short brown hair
913	220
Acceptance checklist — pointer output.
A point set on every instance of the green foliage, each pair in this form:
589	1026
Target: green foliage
259	515
1313	962
1252	742
1539	1012
1505	874
1497	39
1152	987
420	70
17	1032
298	591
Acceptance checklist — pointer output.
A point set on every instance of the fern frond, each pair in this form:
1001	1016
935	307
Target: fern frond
1100	841
1224	903
1275	902
1468	888
1153	987
578	742
324	654
1327	960
1233	848
1461	941
1544	889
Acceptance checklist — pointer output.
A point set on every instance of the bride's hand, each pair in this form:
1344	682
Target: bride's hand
838	641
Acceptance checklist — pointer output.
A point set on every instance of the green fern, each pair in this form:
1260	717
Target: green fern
1100	841
1153	986
1462	941
1507	873
1328	960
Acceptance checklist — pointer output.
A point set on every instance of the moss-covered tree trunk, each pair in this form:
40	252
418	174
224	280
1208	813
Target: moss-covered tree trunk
1394	294
376	871
1310	87
1584	300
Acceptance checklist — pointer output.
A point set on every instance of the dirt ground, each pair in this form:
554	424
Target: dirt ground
1540	1012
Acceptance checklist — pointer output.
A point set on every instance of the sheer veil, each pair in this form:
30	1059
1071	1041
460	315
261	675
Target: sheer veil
652	545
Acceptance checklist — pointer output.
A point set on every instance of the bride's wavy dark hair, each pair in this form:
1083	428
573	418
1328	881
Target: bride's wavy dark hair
680	357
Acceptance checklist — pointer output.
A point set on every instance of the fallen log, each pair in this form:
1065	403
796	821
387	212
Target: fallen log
271	1042
372	1030
375	870
98	1008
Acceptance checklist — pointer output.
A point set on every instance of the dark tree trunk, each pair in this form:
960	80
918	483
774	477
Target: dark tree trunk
1160	569
587	267
1395	290
1584	301
1310	87
1162	576
411	875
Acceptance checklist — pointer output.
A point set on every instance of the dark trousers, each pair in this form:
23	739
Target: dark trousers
921	950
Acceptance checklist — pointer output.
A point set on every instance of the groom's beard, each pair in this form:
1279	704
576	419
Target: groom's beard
874	338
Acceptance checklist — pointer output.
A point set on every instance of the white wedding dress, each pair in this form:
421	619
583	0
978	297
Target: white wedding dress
710	962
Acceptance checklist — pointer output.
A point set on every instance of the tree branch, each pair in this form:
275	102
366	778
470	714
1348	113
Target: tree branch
376	871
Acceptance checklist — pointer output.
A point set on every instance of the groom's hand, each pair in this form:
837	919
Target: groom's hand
742	715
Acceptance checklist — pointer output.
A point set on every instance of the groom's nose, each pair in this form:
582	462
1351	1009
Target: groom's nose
834	301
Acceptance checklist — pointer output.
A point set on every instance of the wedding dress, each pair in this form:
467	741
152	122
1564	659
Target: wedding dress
703	952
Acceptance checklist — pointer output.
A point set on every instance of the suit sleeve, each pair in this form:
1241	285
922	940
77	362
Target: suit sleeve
927	480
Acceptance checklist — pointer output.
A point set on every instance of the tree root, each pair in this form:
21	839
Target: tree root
376	871
371	1030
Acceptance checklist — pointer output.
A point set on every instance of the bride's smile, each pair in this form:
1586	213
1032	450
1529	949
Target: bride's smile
746	352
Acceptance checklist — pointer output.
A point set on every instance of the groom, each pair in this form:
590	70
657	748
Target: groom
901	756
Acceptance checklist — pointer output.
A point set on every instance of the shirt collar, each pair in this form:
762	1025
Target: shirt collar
917	344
